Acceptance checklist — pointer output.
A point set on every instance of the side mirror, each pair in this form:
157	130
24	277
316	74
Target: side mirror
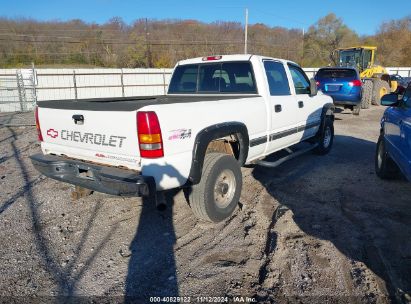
389	100
313	87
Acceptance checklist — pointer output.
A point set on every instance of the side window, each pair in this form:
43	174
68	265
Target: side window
407	97
301	82
366	59
277	78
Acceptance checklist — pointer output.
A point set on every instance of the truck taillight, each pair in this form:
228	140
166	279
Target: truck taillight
355	83
39	135
149	135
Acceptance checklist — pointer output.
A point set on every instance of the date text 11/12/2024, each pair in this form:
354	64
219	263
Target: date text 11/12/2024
202	299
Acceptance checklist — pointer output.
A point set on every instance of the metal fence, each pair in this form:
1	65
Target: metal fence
17	92
94	83
402	71
20	89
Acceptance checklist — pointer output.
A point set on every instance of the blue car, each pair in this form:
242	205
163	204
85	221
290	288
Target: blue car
394	144
343	85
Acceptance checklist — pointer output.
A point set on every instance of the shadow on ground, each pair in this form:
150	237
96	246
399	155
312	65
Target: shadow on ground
338	198
152	269
65	277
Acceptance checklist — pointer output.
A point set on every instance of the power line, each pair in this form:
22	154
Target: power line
68	30
105	42
49	53
152	42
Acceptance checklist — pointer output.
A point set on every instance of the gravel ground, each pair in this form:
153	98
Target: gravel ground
318	229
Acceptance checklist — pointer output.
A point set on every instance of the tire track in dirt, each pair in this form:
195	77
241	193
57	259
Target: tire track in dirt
373	255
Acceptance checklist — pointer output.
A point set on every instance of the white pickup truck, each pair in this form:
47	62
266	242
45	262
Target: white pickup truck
220	113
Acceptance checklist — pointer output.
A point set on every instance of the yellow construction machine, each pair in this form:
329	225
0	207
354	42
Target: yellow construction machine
376	80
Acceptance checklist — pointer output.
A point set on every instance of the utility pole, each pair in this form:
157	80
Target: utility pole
246	31
148	49
303	47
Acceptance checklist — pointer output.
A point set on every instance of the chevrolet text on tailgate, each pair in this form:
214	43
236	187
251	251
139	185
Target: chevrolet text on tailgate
220	113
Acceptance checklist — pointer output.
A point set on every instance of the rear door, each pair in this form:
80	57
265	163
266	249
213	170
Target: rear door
308	111
406	137
283	120
398	132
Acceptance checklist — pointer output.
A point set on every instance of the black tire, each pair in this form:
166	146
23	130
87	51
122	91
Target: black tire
356	110
385	167
378	87
325	137
366	94
216	196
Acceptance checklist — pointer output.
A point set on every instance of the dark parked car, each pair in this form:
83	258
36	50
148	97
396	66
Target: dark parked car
343	85
394	144
402	82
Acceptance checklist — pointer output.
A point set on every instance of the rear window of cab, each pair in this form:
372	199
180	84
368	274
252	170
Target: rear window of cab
212	78
336	73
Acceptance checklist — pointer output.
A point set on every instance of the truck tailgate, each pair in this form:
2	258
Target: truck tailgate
108	137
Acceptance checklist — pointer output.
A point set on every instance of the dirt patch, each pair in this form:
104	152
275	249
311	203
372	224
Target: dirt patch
316	229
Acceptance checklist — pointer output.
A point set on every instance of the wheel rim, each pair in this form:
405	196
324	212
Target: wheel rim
379	156
327	137
224	188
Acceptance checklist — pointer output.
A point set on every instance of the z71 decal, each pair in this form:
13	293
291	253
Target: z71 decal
180	134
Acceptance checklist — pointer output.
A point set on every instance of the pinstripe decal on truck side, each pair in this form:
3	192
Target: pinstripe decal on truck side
263	139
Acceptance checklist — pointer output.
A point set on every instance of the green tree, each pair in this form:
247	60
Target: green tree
393	40
322	38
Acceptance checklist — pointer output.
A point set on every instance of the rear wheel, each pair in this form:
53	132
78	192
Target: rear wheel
385	167
325	138
216	196
366	94
380	88
356	110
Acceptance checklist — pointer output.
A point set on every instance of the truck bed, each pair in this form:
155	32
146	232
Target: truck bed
131	103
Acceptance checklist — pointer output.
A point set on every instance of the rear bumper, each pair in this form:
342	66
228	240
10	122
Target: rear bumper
346	99
95	177
346	102
353	98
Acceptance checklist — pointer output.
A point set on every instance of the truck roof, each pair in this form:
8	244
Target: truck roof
224	58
